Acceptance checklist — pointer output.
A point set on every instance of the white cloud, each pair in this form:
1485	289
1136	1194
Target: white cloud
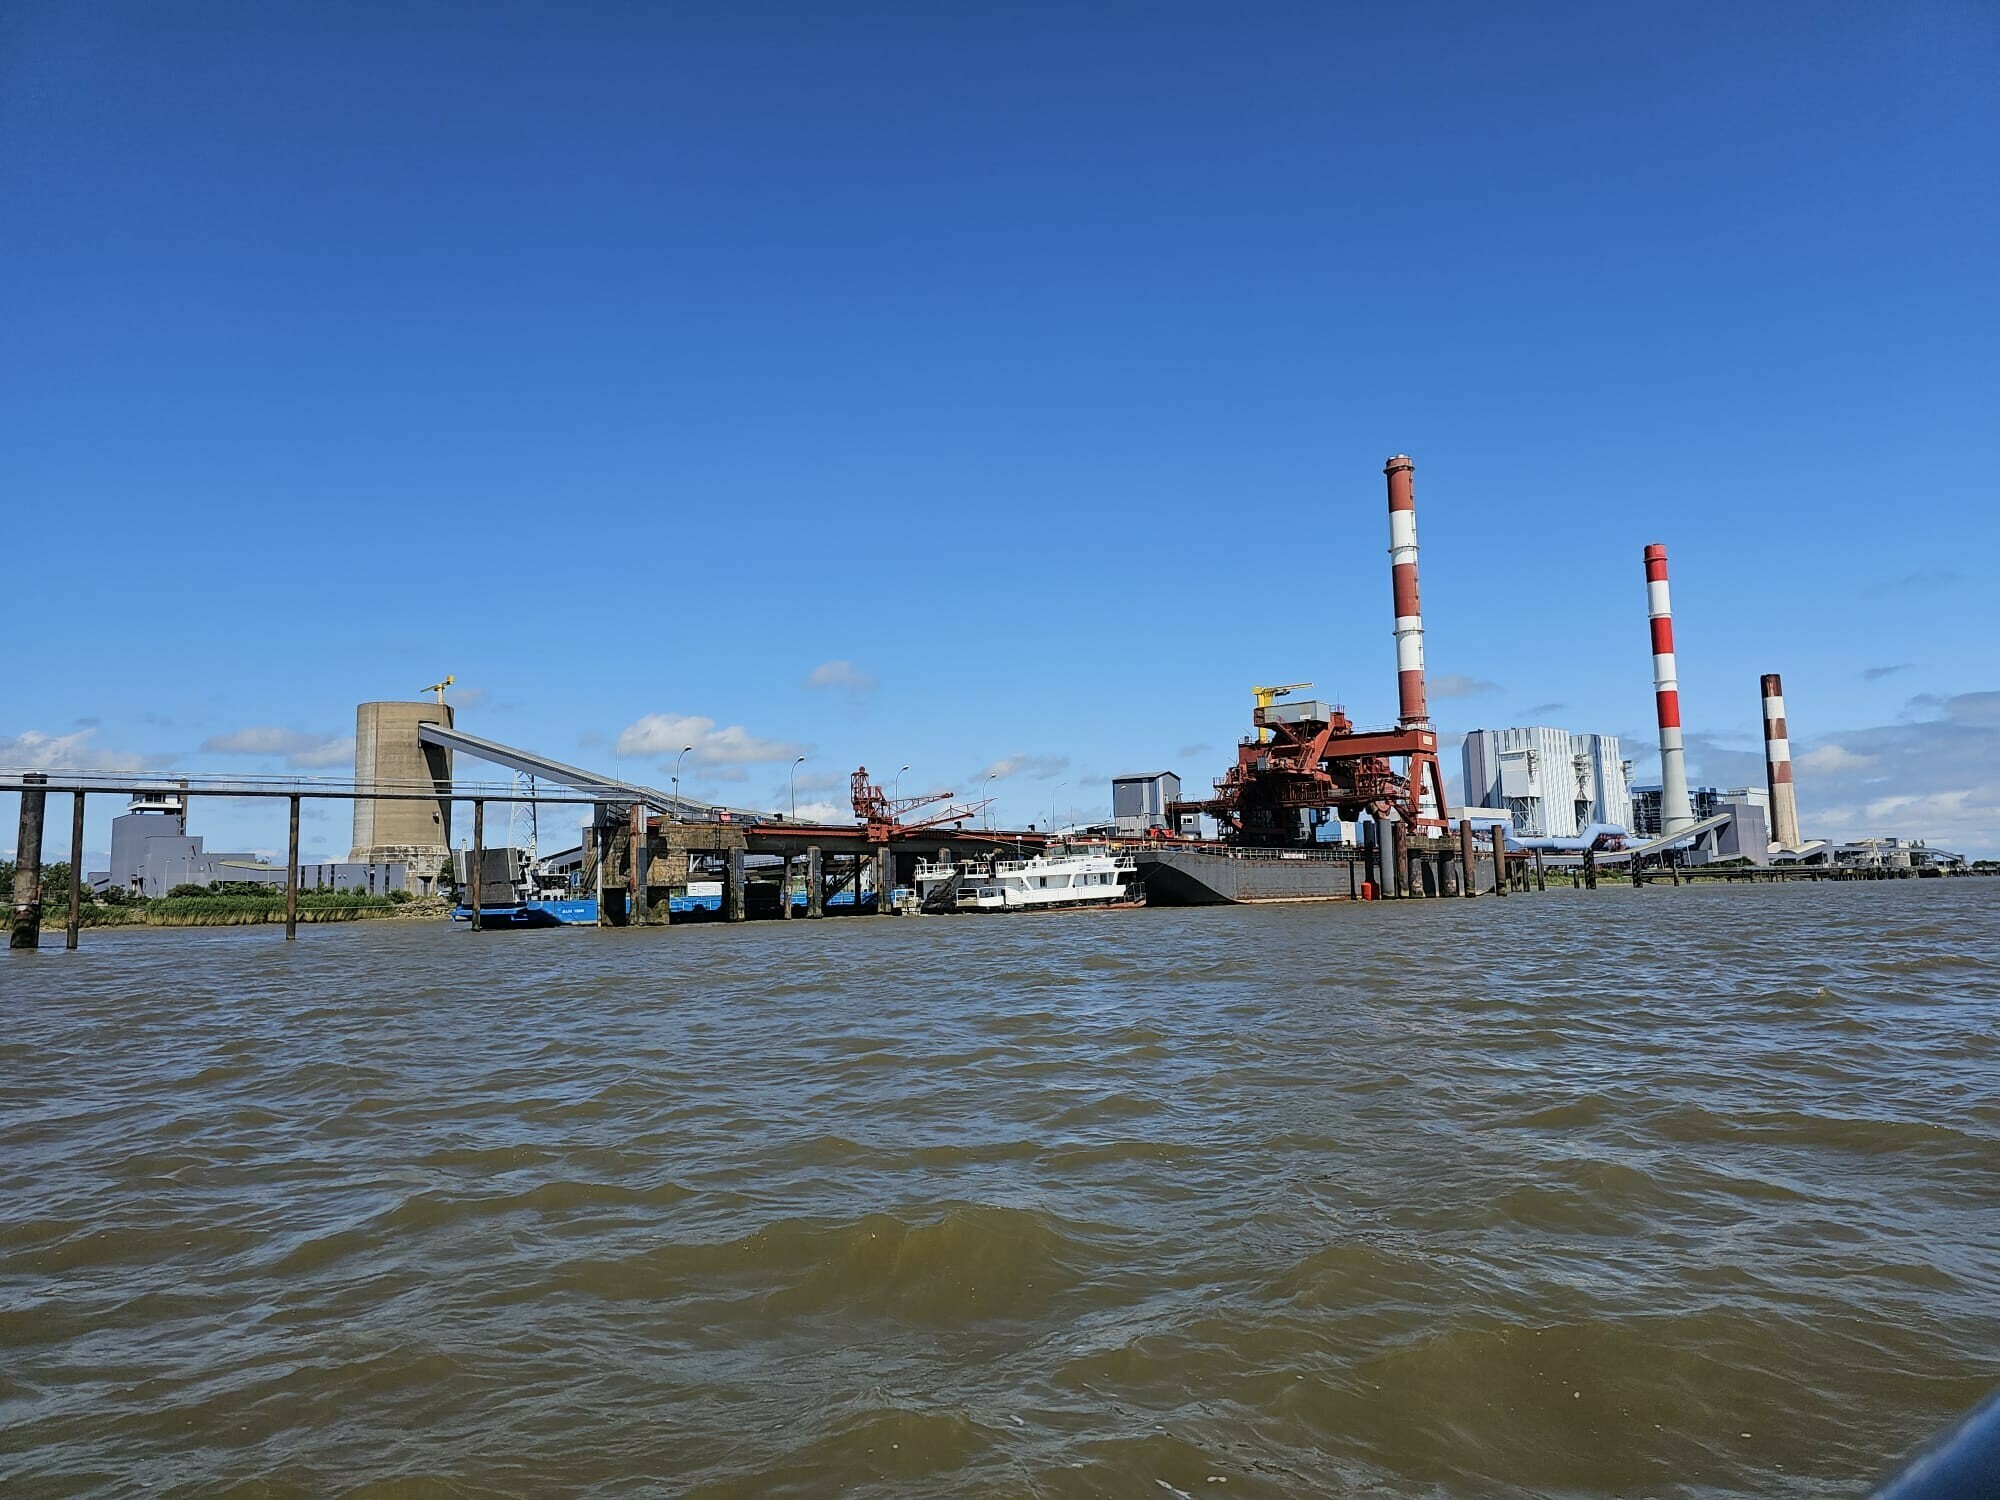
825	812
1035	767
663	735
300	750
1831	757
34	751
1936	777
1458	685
842	674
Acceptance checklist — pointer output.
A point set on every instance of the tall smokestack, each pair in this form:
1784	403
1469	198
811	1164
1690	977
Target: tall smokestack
1403	577
1778	766
1675	812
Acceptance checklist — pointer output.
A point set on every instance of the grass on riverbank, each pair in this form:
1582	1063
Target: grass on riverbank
233	910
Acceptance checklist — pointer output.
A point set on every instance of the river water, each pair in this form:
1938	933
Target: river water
1661	1192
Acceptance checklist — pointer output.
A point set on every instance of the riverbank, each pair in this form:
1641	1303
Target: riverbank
245	911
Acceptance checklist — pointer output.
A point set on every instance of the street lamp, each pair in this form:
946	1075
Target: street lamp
795	787
678	811
989	800
1052	805
895	785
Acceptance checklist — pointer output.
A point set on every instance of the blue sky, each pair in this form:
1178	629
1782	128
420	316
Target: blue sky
1033	364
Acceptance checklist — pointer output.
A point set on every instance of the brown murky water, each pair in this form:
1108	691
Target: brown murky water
1637	1193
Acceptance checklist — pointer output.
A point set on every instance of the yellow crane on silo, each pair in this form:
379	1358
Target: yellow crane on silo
439	687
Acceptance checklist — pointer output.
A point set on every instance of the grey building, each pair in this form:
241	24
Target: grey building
1139	801
1751	819
152	852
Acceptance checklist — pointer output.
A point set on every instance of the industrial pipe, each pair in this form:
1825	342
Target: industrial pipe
1778	766
1403	581
1676	813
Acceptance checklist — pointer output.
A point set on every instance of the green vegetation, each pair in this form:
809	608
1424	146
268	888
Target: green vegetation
229	903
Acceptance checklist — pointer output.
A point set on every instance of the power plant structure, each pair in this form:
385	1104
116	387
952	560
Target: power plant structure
1676	814
1778	765
1305	757
390	753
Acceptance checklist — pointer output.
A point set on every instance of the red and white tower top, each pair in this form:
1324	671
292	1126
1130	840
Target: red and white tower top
1413	710
1778	765
1676	813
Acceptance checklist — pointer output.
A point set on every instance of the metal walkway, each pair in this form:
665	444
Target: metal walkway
1652	846
589	784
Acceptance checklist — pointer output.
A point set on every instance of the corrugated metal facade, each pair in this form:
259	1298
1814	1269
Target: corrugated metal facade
1553	783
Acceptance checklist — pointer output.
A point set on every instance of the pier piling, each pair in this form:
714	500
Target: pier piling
1590	869
292	875
26	931
815	882
1467	860
885	880
733	887
1499	859
785	890
635	875
75	928
479	856
1541	875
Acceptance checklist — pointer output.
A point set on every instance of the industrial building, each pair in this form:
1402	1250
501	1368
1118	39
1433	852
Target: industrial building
389	753
152	852
1706	801
1139	801
1552	783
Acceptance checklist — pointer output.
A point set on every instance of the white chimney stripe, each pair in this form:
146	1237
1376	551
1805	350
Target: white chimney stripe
1403	535
1656	598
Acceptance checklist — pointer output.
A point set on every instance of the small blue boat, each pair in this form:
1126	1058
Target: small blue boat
580	912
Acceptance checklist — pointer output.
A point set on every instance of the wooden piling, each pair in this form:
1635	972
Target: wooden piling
1590	869
1467	860
478	857
26	931
1500	859
75	928
785	890
815	882
635	876
885	880
292	874
733	887
1541	875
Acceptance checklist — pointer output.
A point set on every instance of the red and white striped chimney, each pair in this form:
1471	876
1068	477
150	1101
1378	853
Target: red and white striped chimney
1403	577
1778	765
1675	811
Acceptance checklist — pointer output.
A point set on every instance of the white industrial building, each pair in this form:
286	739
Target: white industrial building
1553	784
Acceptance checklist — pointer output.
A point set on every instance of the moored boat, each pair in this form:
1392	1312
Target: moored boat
1064	875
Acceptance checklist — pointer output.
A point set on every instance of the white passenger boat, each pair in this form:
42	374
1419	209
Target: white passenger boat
1064	875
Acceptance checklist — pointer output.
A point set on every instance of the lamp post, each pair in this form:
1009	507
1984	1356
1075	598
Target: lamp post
896	785
677	780
795	787
989	800
1052	805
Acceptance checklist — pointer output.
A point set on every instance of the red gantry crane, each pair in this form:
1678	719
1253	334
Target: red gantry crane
885	816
